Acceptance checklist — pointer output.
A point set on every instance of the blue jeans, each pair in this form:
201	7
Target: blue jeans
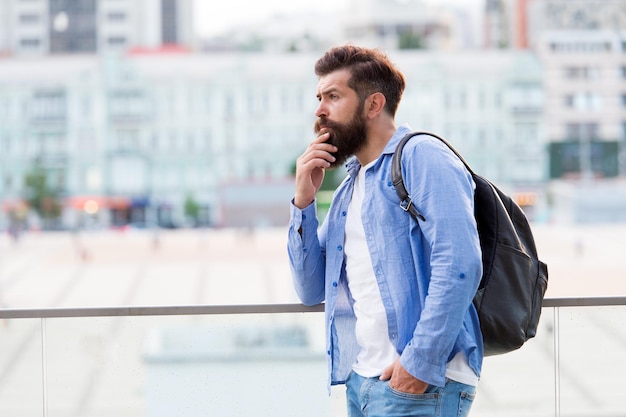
371	397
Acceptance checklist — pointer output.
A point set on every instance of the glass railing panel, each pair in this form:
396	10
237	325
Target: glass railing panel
161	366
272	364
21	387
586	378
592	366
520	383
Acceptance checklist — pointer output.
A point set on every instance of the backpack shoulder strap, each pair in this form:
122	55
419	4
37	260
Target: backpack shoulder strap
396	172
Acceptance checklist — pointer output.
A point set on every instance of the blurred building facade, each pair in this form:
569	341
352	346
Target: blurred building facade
42	27
585	120
148	131
144	133
409	24
140	134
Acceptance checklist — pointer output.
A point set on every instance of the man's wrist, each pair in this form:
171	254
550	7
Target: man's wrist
300	204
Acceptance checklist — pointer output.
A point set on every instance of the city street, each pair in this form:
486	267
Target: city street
103	360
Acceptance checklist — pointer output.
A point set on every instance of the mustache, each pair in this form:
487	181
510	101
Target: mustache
323	121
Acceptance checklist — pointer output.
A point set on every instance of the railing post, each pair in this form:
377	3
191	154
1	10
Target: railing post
557	365
44	371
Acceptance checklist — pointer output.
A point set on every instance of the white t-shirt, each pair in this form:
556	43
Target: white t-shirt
372	334
376	350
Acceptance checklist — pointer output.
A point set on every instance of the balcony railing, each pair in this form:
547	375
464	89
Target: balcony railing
250	360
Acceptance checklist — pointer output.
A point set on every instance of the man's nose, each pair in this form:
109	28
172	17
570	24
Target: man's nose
321	110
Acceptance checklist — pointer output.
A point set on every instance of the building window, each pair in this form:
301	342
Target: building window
127	140
578	131
229	107
116	41
29	18
576	47
49	105
169	22
581	73
30	43
8	182
127	104
7	145
497	100
258	101
73	26
116	16
583	101
51	144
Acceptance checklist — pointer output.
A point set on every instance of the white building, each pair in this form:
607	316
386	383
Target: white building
140	134
489	104
39	27
585	121
393	24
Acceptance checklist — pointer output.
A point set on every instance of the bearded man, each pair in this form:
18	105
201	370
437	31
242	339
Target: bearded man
401	330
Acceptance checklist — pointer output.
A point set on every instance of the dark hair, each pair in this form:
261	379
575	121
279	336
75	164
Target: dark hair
371	71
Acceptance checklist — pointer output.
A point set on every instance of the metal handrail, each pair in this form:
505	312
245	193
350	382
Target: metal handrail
24	313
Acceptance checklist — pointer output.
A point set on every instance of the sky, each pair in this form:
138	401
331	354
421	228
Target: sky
211	16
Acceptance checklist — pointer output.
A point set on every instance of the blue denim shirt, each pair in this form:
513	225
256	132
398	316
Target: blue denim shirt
427	272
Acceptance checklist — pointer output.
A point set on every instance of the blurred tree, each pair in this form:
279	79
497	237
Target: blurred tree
410	40
42	198
293	46
192	209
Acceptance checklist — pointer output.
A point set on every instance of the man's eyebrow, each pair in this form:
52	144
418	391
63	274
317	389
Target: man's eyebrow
327	91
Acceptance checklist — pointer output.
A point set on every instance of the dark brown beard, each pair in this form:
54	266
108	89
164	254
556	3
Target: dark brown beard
349	138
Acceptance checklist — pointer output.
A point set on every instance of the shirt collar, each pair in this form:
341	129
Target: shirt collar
353	166
396	138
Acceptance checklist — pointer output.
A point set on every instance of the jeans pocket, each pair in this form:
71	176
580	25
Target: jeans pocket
465	403
398	403
431	393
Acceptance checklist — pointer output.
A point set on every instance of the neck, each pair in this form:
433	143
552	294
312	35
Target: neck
377	138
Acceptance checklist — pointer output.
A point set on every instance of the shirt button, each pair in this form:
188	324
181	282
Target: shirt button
392	336
343	213
339	248
335	284
304	217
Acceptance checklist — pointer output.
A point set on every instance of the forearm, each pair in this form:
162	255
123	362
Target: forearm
306	255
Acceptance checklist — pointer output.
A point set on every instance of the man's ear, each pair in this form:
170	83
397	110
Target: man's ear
375	104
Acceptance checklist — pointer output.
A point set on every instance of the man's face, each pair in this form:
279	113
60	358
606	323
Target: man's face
340	113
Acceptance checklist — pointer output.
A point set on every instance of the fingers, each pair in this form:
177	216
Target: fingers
323	139
322	136
387	373
400	380
319	153
310	168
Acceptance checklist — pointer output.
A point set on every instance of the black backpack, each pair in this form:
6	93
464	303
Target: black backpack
514	280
